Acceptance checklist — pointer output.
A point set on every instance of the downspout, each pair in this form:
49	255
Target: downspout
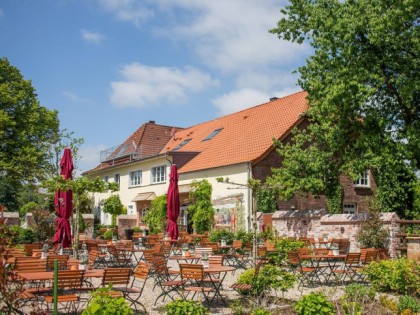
249	203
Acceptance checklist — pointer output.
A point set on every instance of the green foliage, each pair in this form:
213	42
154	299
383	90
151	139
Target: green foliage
185	307
415	214
355	297
388	303
107	235
28	207
283	246
43	224
269	277
371	233
157	215
137	229
218	235
395	275
363	91
314	304
245	237
102	303
201	210
21	235
113	206
268	234
26	131
260	311
266	200
407	302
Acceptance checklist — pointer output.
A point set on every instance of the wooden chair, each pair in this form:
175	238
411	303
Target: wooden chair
163	279
30	265
213	245
62	261
245	288
321	251
307	274
347	268
119	278
30	247
69	281
118	257
192	277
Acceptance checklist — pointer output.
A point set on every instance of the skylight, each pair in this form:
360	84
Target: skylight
210	136
179	146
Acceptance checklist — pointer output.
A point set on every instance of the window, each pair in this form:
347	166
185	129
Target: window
179	146
350	208
135	178
122	150
117	179
363	180
143	214
159	174
105	179
210	136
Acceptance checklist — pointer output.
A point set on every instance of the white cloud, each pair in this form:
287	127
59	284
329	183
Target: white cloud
240	99
145	85
128	10
92	37
89	157
233	35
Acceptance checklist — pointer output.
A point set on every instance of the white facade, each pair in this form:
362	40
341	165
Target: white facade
239	173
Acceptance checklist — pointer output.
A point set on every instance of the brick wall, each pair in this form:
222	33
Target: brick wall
125	222
316	223
361	196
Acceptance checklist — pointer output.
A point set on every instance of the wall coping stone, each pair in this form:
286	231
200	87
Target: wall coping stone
298	214
10	214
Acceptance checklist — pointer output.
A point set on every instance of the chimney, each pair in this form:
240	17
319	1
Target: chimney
273	98
152	122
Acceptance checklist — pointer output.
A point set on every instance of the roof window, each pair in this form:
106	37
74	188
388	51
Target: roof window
179	146
122	150
210	136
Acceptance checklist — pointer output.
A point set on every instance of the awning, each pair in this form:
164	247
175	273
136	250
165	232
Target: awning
145	196
184	189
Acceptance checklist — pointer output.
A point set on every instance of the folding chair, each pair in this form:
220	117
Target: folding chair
119	278
69	281
243	288
163	280
62	261
347	268
192	277
307	274
119	258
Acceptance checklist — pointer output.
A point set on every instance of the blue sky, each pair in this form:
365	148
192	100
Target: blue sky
109	66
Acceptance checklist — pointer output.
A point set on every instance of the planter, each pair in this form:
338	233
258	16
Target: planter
186	253
83	267
129	234
336	252
44	255
205	263
223	242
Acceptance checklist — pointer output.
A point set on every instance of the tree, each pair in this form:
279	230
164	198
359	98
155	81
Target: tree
201	210
26	131
156	216
114	207
363	90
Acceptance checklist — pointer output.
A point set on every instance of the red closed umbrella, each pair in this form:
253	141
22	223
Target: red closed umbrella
63	203
173	204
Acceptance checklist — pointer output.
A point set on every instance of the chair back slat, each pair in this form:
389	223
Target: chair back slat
191	271
30	265
62	261
70	279
216	260
352	259
116	276
142	270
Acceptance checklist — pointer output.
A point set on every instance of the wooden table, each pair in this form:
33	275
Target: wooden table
49	275
191	258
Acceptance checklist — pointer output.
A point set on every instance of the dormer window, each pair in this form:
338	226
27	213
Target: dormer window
179	146
363	180
211	136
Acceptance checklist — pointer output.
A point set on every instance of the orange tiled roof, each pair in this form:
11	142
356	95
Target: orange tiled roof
245	136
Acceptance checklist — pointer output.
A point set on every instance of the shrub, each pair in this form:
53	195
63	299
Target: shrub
26	236
245	237
314	304
283	246
371	233
408	303
103	304
185	307
261	311
269	277
355	297
137	229
157	214
400	275
107	235
218	235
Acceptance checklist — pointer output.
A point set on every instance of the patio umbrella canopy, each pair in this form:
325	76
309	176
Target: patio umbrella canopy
63	203
173	204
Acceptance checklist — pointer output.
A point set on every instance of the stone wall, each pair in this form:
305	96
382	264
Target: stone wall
316	223
125	221
11	218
